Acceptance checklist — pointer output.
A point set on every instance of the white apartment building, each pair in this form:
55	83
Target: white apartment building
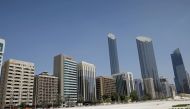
17	83
87	81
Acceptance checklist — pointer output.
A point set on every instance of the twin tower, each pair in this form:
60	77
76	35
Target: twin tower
146	58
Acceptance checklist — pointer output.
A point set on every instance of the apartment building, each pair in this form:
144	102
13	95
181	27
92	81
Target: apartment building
17	83
105	86
46	89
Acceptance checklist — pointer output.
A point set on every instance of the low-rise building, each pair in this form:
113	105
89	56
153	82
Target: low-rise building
124	83
149	87
105	86
46	89
139	87
165	87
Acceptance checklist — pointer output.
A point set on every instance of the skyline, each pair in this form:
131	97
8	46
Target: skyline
22	25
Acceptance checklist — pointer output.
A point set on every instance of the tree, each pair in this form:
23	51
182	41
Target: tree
126	99
105	98
114	97
22	105
59	101
134	96
122	98
147	97
81	99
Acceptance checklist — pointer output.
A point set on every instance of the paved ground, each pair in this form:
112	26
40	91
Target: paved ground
139	105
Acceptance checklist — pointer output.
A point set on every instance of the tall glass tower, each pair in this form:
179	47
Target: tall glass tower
148	62
2	47
114	63
181	76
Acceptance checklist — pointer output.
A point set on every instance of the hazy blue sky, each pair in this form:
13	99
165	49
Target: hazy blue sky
37	30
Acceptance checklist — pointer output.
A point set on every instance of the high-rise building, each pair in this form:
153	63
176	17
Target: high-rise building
181	76
165	87
65	68
124	83
149	87
105	86
139	87
45	89
114	62
17	83
86	82
2	48
148	62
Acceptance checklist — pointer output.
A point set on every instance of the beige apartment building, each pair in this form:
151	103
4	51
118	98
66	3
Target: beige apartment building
17	83
65	68
105	86
46	89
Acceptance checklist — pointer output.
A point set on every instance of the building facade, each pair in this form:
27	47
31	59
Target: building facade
149	87
65	68
45	89
2	48
148	62
165	87
173	90
124	83
86	82
139	87
114	62
105	86
181	77
17	83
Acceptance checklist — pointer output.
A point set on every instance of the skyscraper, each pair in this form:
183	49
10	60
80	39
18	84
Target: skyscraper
148	62
17	83
181	76
86	82
65	68
2	47
114	62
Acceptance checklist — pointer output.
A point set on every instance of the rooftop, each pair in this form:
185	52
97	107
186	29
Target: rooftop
111	35
144	39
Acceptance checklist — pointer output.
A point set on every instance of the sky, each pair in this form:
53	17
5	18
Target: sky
38	30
